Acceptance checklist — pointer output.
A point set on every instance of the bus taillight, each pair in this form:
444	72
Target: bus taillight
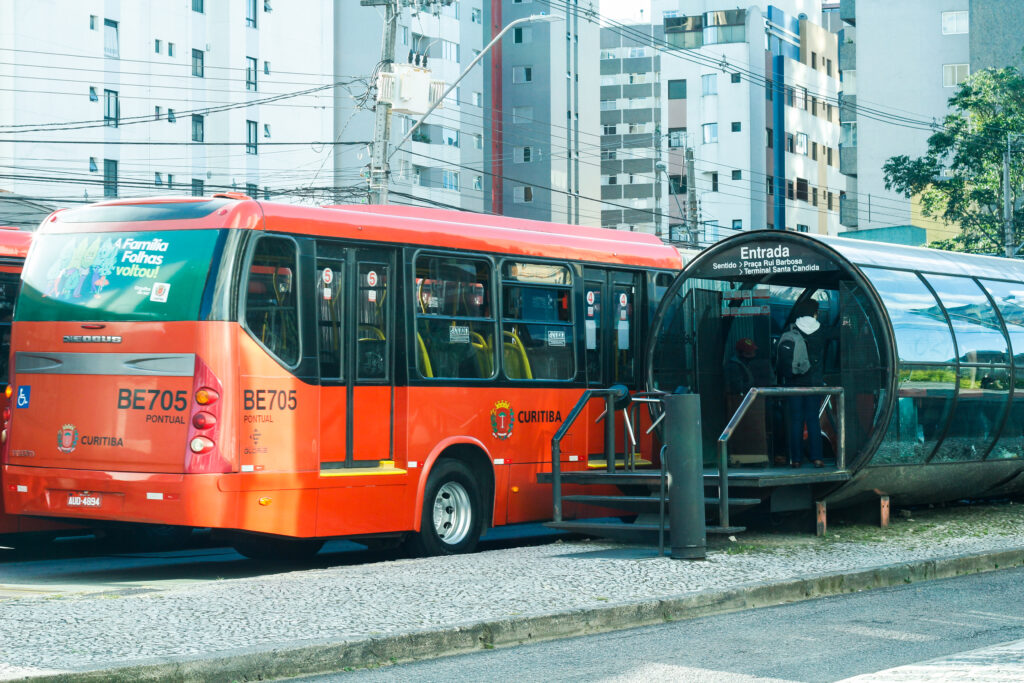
202	456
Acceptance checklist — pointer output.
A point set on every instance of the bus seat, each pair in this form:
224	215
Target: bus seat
517	364
424	357
484	357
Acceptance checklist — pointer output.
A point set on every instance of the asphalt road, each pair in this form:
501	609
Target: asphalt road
828	639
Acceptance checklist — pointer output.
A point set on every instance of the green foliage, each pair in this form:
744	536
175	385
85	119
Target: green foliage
960	177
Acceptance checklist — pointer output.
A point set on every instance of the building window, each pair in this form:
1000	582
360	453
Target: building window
197	187
611	180
266	130
522	35
814	151
734	78
801	143
522	194
478	141
685	32
522	74
770	137
814	196
954	74
801	189
252	190
266	68
109	178
829	162
250	137
266	193
250	73
93	97
92	22
829	201
828	67
197	128
789	189
677	184
171	118
714	182
709	84
157	45
449	51
158	178
477	99
250	13
110	41
170	49
450	136
954	22
736	126
801	228
92	165
710	133
197	63
789	142
522	114
737	174
609	129
677	90
450	180
170	181
770	185
737	224
476	15
157	112
522	155
197	6
676	137
111	108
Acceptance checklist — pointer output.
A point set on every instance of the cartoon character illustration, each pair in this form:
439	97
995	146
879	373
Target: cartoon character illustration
103	265
56	272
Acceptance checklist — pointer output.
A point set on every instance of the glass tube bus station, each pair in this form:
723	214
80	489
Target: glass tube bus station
927	346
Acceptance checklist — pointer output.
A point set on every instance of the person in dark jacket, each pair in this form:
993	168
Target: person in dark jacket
803	410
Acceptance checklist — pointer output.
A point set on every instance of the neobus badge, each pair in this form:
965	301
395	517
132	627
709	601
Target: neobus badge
91	339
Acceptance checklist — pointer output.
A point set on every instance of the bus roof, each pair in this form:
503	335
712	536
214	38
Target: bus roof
14	243
429	227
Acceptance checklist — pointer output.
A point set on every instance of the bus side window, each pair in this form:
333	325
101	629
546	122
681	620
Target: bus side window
8	293
271	310
537	321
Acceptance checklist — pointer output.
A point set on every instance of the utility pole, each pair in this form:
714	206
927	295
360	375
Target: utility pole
382	125
1007	210
691	196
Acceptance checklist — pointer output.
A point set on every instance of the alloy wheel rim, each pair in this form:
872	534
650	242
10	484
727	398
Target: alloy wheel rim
453	513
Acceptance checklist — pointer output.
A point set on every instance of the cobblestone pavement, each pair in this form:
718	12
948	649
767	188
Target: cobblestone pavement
98	630
997	664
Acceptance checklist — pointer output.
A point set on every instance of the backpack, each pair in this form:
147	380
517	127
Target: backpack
793	359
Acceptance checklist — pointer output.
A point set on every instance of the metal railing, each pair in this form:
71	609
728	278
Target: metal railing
741	411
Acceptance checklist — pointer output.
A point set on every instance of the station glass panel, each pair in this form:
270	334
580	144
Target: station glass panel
981	399
923	403
922	333
1009	298
979	336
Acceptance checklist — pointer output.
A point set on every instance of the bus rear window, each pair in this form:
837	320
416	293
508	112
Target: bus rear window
153	275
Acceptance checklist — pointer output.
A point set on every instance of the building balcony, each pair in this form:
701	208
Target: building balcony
848	159
848	11
847	211
847	107
848	49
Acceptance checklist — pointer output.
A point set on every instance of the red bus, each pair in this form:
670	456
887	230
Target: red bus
291	374
14	245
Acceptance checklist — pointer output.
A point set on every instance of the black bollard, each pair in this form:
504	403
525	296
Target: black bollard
687	533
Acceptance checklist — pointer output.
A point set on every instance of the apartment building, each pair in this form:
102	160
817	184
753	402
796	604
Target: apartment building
542	87
116	98
752	93
899	60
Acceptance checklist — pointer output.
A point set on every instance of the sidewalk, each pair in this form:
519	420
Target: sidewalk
366	615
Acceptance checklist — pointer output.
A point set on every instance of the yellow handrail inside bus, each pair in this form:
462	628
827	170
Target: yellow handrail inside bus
517	364
425	367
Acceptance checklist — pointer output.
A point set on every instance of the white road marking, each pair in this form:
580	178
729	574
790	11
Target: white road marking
887	634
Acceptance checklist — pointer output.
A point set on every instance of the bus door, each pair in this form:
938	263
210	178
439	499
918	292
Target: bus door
611	339
356	355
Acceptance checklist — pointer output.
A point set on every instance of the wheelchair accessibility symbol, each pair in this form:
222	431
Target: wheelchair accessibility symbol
24	397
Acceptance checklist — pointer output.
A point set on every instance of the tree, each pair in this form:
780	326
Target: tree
960	178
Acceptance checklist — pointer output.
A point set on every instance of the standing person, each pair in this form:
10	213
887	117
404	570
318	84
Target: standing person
800	359
744	369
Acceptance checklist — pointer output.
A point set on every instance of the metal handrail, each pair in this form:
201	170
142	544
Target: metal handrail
741	411
610	395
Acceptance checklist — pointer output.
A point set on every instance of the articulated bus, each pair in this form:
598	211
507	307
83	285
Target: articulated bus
290	374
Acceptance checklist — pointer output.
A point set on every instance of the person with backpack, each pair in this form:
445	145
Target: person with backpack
801	354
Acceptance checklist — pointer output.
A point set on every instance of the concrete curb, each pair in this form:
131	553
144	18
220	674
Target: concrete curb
299	659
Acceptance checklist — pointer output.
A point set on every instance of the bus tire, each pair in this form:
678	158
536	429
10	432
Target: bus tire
452	517
275	548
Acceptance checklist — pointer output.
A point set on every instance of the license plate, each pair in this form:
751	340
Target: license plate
84	500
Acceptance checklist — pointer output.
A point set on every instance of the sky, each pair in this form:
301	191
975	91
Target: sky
626	10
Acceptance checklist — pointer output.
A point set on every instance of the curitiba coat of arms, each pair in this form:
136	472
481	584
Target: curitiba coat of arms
67	438
502	420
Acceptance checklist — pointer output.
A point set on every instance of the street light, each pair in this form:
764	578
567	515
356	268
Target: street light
435	105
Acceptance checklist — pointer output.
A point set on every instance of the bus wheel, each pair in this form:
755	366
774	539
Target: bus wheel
452	519
275	548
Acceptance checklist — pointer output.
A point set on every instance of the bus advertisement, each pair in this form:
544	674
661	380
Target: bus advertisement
290	374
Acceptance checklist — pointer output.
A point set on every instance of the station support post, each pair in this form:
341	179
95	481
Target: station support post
687	531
